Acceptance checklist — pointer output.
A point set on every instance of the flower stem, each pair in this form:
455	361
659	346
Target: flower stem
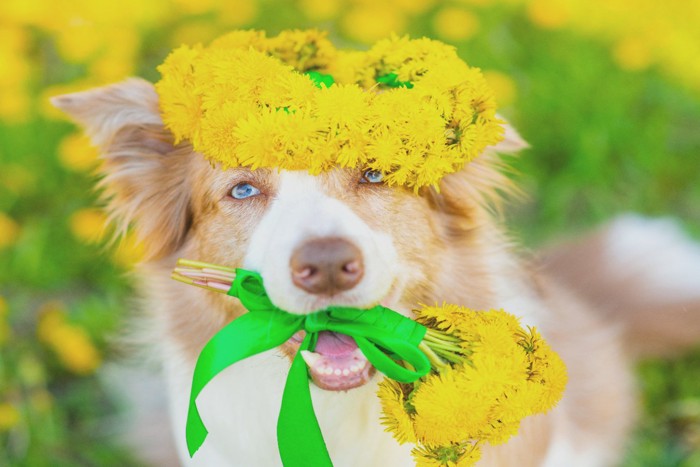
435	360
203	265
434	334
208	285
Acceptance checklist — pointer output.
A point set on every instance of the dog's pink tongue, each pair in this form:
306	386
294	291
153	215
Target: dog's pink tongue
332	344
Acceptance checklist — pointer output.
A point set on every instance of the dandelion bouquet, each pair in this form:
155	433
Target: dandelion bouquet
488	373
455	378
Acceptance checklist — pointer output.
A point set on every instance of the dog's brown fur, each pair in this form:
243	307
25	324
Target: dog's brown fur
450	240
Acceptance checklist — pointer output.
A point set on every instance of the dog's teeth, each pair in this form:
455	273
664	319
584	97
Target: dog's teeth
346	372
310	358
337	372
328	370
355	368
357	353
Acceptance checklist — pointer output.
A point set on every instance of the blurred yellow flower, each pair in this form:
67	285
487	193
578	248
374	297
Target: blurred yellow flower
633	54
195	7
370	22
237	13
80	40
480	3
413	7
455	24
9	230
504	88
76	152
14	105
70	343
129	251
192	32
548	14
320	10
9	416
88	225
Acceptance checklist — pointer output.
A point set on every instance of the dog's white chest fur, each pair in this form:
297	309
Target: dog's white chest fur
240	407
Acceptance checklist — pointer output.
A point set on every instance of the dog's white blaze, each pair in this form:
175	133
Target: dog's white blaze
300	211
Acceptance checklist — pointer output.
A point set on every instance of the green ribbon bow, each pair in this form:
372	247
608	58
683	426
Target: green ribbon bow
383	335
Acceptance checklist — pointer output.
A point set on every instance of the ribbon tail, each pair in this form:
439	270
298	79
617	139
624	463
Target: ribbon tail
245	336
299	437
195	431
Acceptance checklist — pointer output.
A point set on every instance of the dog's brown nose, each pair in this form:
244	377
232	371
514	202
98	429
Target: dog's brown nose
325	266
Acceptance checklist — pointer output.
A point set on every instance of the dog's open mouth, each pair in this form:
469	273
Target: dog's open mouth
336	364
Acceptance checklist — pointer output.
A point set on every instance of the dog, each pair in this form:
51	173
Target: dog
342	237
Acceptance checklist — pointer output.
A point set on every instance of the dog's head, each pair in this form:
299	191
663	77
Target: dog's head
338	238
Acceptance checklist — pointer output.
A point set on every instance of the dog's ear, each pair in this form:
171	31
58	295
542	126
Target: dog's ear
479	188
145	180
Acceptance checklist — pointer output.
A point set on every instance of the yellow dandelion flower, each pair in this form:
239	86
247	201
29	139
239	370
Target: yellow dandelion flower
448	409
503	86
549	371
70	343
320	10
395	417
238	12
76	152
217	133
548	14
241	39
79	41
303	49
179	105
455	24
633	54
454	455
256	143
88	225
129	251
9	230
369	22
343	106
9	416
75	350
494	374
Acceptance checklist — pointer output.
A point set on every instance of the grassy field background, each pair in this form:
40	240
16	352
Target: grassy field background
606	92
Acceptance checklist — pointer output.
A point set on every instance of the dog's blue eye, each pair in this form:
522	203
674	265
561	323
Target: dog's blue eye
244	190
372	176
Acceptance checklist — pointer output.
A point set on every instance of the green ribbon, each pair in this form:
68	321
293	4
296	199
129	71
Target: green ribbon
392	80
384	336
320	79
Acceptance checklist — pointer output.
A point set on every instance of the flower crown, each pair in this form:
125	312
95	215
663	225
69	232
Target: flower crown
411	109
